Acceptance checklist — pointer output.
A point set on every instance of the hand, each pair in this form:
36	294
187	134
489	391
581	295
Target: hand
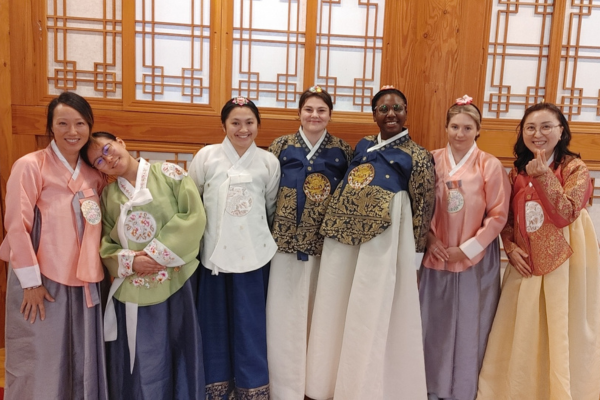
517	259
455	254
538	166
33	300
145	265
436	247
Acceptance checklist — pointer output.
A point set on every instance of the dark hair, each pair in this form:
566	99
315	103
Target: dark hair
93	139
239	102
383	92
524	155
74	101
316	91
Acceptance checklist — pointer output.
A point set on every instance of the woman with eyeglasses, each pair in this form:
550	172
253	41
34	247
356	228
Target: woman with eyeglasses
54	343
460	276
365	340
152	224
545	339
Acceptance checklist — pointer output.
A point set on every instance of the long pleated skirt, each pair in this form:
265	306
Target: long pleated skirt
232	315
168	359
457	309
545	339
292	288
366	340
61	357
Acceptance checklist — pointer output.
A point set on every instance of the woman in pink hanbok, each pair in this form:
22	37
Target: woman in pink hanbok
54	340
460	276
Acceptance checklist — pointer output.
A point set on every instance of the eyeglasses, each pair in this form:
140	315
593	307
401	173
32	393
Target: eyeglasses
530	130
398	108
107	151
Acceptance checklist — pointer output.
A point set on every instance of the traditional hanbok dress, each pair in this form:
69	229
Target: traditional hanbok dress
239	195
365	340
153	336
309	175
459	300
545	339
53	231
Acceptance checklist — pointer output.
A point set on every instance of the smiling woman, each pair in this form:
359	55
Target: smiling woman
53	232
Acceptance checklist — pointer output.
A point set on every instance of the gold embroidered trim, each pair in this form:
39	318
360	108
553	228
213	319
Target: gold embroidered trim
260	393
216	391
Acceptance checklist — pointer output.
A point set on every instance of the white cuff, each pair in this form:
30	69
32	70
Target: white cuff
162	254
471	248
29	276
418	260
125	263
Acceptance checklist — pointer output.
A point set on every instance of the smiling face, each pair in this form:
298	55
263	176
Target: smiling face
542	131
241	127
462	131
314	115
390	115
111	157
70	131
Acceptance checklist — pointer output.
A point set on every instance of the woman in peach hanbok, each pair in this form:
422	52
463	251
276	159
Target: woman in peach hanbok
460	279
545	340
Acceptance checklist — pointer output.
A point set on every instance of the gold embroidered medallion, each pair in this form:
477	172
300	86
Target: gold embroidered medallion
317	187
361	176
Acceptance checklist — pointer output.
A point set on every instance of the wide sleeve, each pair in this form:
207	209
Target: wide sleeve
422	195
23	189
508	232
272	185
116	259
196	170
496	190
564	202
277	146
178	241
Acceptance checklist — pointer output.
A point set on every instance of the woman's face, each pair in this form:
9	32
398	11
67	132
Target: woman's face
70	130
109	156
390	115
462	131
241	127
314	115
542	131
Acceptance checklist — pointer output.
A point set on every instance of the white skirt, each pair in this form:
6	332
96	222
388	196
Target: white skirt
290	300
366	341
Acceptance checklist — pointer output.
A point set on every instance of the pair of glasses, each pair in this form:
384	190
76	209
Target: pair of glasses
530	130
398	108
107	151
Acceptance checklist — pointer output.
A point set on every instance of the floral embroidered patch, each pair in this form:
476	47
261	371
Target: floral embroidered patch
455	201
91	212
173	171
534	216
140	227
361	176
239	201
317	187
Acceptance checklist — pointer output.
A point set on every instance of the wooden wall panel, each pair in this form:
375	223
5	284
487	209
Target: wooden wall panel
5	139
434	54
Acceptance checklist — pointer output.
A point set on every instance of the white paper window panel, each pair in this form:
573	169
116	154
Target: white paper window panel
517	58
172	49
87	55
579	80
181	159
269	49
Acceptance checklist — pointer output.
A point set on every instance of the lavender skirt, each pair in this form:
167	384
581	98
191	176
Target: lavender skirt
457	310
